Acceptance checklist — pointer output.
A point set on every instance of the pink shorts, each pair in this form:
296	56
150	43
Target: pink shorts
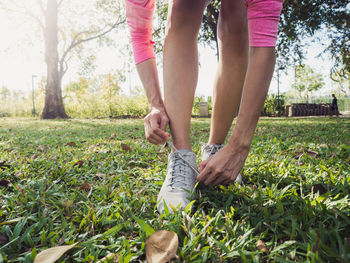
262	15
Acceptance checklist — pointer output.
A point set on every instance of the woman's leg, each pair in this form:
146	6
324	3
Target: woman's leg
181	66
233	59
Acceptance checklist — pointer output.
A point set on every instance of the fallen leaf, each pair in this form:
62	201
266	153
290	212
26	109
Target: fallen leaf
85	186
3	239
161	246
4	165
301	151
312	154
323	145
52	254
101	176
262	246
125	147
4	183
71	144
79	163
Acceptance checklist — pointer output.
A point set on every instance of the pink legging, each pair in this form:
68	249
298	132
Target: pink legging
262	15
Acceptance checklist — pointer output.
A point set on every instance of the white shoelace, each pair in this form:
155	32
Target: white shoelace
182	158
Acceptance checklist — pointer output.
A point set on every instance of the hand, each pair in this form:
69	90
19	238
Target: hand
223	167
155	124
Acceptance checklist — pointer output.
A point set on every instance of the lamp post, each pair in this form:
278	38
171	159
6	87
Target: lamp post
33	111
278	89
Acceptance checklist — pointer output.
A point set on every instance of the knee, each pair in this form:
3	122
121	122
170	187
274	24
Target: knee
233	25
184	17
234	32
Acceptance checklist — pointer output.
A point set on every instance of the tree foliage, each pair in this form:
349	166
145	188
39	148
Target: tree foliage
307	80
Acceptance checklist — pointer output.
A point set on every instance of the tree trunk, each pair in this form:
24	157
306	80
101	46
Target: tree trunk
54	107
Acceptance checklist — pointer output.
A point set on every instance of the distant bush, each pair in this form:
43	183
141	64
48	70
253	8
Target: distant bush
271	105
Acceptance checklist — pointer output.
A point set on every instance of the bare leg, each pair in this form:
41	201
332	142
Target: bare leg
181	66
233	59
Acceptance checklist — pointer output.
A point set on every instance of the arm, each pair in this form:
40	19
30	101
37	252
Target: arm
224	167
139	18
157	120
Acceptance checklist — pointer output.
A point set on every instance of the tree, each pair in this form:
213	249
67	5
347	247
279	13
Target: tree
4	93
307	80
66	37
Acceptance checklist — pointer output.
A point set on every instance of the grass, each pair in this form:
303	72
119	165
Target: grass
74	181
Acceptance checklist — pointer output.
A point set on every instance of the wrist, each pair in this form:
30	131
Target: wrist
159	105
239	144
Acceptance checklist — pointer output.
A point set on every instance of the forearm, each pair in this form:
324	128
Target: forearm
148	73
258	79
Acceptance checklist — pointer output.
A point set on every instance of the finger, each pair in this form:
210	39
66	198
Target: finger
211	178
153	141
153	122
203	164
161	133
219	180
164	121
156	138
203	174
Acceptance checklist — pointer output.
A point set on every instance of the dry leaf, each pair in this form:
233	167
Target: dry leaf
79	163
323	145
4	183
312	154
125	147
161	246
52	254
262	246
71	144
85	186
101	176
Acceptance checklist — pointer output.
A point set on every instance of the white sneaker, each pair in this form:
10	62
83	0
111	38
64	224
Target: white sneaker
209	150
179	181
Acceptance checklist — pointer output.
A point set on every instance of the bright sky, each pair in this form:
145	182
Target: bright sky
19	61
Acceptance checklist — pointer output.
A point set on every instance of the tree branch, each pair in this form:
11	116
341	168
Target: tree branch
75	42
24	11
59	3
40	4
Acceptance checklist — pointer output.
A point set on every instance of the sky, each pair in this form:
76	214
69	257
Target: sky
20	60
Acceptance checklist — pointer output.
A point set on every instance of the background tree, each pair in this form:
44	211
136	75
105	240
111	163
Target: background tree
4	93
65	27
307	81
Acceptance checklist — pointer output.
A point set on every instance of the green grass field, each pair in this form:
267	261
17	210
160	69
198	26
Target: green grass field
78	181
